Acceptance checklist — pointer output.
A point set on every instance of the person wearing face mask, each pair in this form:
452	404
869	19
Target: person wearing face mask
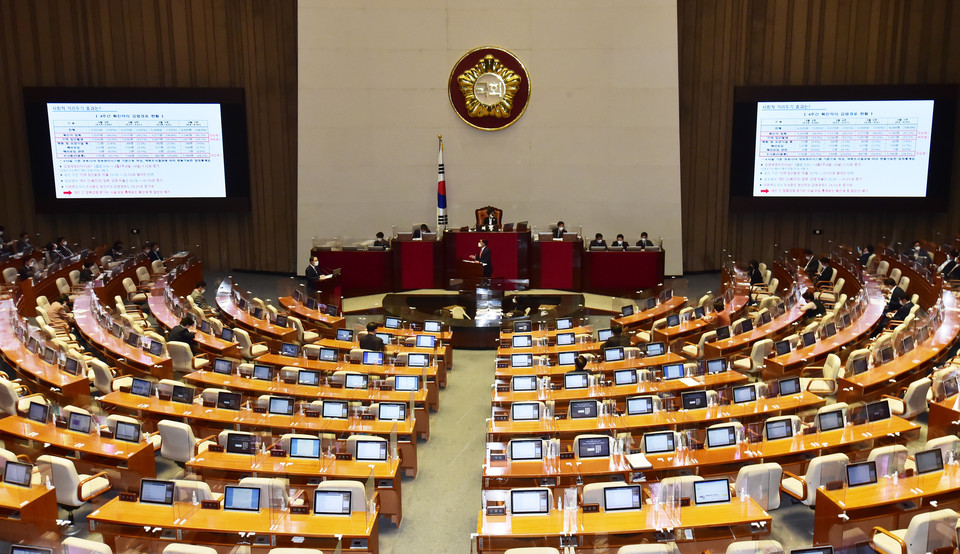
197	295
28	269
644	241
155	254
63	248
24	243
558	232
916	252
484	258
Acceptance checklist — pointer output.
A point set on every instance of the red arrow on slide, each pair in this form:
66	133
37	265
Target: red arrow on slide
761	190
67	192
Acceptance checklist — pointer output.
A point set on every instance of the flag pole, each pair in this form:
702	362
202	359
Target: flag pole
441	190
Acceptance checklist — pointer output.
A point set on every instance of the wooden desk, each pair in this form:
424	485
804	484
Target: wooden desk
208	420
696	327
596	367
883	504
254	388
125	462
509	251
557	264
363	271
44	378
944	417
30	289
190	524
125	357
28	514
259	329
303	472
313	319
619	272
778	327
711	527
645	318
442	360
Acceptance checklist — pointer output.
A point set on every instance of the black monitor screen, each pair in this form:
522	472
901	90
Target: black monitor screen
345	335
694	400
126	431
672	371
723	333
415	359
626	311
391	322
809	338
153	491
38	412
566	339
18	473
789	386
356	380
673	320
524	382
371	451
289	349
746	326
140	387
241	443
392	411
262	372
281	405
746	393
580	409
522	326
625	377
877	411
717	365
226	334
335	409
182	394
859	365
243	499
222	366
521	360
228	400
654	349
529	502
328	355
779	429
304	448
783	347
654	443
613	354
72	366
593	447
431	326
863	473
828	421
79	422
639	405
526	449
522	341
929	461
330	502
621	498
721	436
525	411
307	377
564	323
406	383
711	491
575	380
156	348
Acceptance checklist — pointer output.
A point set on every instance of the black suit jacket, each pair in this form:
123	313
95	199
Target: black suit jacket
895	295
904	311
826	274
312	273
491	222
619	244
484	258
812	265
646	243
371	342
182	334
64	251
154	256
598	243
615	341
558	233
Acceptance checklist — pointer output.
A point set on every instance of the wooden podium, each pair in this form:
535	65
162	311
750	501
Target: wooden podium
470	272
329	291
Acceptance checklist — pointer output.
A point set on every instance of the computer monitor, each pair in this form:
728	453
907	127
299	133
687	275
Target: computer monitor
809	338
391	411
281	405
526	449
328	355
391	322
72	366
845	319
746	326
699	312
385	337
575	380
345	335
133	339
227	334
673	320
79	422
766	317
828	421
878	411
241	443
308	377
626	497
650	303
356	381
859	365
529	502
406	383
640	405
523	326
520	383
256	312
564	323
205	327
711	491
241	499
222	366
863	473
155	491
228	400
304	448
625	377
49	355
723	333
604	334
156	348
830	329
262	372
929	461
906	345
672	371
666	295
521	360
330	310
331	503
789	386
33	345
18	473
522	341
126	431
335	409
289	349
614	354
716	365
371	451
38	412
372	358
583	409
567	358
525	411
21	549
746	393
886	354
654	349
140	387
779	429
655	443
721	436
694	400
426	341
241	303
566	339
783	347
593	447
311	303
431	326
626	311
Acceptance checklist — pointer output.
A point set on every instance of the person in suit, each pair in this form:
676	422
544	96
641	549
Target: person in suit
24	243
954	274
617	338
490	222
916	252
418	234
199	300
898	309
182	333
371	341
598	241
50	254
116	252
756	278
484	258
826	274
314	273
865	255
951	262
86	274
812	266
558	232
813	309
644	241
154	254
619	243
380	241
63	248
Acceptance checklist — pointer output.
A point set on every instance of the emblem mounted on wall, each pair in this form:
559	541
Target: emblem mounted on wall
489	88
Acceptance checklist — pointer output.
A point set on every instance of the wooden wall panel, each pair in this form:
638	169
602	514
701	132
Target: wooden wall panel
161	43
797	42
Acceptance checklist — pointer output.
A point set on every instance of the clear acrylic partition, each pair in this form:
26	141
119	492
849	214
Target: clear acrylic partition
411	406
394	448
339	547
369	492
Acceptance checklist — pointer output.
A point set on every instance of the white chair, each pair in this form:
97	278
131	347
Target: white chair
695	350
133	294
820	470
104	379
358	499
926	533
684	483
755	547
178	442
177	548
185	489
74	545
143	276
914	400
826	384
831	293
754	363
593	493
882	268
157	267
303	336
183	359
11	401
249	350
889	459
761	481
647	336
73	489
153	438
10	275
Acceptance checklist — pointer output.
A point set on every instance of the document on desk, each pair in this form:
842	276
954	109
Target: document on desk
638	461
690	382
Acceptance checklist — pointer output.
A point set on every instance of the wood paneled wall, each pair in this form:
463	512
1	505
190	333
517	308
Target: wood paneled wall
731	43
161	43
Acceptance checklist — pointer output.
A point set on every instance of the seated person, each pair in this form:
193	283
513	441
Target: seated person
418	234
720	317
24	243
116	252
598	241
951	262
954	274
617	338
58	313
5	245
380	240
756	278
644	241
865	255
619	243
86	274
28	270
580	364
63	248
197	295
898	309
812	266
154	255
371	341
490	222
897	294
50	254
916	252
827	273
182	333
558	232
813	309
